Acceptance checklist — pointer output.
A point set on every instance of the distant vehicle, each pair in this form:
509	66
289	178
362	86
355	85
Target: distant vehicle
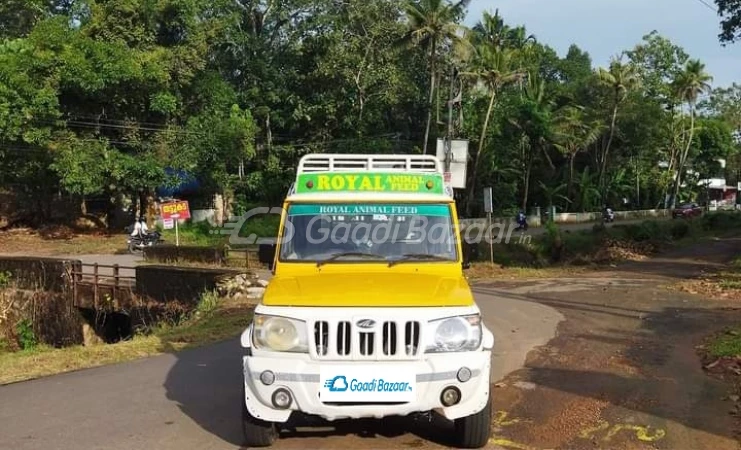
136	244
608	215
685	210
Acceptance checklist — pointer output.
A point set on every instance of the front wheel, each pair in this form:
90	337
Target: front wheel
474	431
257	433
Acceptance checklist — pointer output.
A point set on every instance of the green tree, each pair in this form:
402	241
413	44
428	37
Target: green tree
620	78
493	69
574	132
434	24
533	123
688	86
730	13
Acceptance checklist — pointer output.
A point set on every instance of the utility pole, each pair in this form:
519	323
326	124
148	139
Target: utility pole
449	134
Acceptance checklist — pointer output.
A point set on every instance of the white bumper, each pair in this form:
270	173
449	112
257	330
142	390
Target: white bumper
301	377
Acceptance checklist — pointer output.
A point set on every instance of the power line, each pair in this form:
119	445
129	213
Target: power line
704	2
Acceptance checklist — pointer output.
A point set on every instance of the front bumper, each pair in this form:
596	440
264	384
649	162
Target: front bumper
301	377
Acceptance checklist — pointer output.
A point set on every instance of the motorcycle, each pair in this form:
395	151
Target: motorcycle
608	216
521	222
136	244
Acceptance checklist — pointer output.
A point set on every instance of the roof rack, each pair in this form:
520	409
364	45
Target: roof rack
333	162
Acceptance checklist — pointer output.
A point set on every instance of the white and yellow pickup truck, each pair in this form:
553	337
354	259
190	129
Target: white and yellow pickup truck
368	313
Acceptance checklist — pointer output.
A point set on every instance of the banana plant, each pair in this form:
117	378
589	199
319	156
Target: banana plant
551	193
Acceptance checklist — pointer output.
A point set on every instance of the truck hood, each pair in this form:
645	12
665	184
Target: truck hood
368	289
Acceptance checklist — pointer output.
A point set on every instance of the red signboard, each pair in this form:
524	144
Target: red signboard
175	210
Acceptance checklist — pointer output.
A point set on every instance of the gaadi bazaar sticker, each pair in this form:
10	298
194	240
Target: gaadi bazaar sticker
369	182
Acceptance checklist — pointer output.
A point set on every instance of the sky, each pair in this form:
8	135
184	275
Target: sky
604	28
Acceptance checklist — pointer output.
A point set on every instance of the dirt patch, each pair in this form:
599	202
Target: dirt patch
58	240
612	250
623	371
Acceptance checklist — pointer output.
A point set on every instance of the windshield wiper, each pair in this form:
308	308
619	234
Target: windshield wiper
417	257
341	254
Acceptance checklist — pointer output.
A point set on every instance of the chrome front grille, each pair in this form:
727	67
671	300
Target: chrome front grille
346	340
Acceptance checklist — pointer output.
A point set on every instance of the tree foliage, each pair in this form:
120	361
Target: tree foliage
109	99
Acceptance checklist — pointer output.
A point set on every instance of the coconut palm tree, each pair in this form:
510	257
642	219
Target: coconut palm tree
492	30
492	69
533	122
432	23
621	78
573	133
688	86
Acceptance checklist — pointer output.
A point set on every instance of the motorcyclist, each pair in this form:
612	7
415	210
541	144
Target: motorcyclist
608	214
522	220
140	228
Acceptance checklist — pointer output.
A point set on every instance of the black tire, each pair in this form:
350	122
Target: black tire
256	432
474	431
134	249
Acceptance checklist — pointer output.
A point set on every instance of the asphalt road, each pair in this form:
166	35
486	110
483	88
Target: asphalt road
192	399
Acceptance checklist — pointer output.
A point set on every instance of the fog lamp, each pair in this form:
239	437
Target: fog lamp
282	398
450	396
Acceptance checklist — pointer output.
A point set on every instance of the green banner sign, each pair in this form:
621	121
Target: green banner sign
317	183
370	209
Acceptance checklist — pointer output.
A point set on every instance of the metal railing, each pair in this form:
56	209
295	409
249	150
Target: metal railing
114	282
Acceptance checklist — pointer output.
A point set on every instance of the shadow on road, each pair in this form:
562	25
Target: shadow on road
206	385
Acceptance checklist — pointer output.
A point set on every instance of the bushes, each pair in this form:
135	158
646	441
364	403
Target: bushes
645	231
203	234
679	230
172	253
182	284
261	226
721	221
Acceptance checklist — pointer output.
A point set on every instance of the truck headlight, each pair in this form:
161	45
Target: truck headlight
454	334
279	334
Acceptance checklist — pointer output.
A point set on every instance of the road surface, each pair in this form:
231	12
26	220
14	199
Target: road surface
622	372
192	399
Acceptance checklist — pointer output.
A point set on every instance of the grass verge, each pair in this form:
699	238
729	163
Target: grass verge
726	344
213	321
557	247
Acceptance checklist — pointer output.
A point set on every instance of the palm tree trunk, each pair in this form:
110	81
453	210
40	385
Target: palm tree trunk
683	157
606	151
477	157
570	186
526	181
432	95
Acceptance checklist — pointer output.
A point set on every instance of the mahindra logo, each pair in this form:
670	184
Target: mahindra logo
366	323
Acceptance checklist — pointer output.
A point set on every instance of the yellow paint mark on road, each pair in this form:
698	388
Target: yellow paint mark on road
589	432
603	430
506	443
643	433
500	419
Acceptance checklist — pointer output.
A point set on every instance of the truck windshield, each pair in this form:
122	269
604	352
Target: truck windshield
371	232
